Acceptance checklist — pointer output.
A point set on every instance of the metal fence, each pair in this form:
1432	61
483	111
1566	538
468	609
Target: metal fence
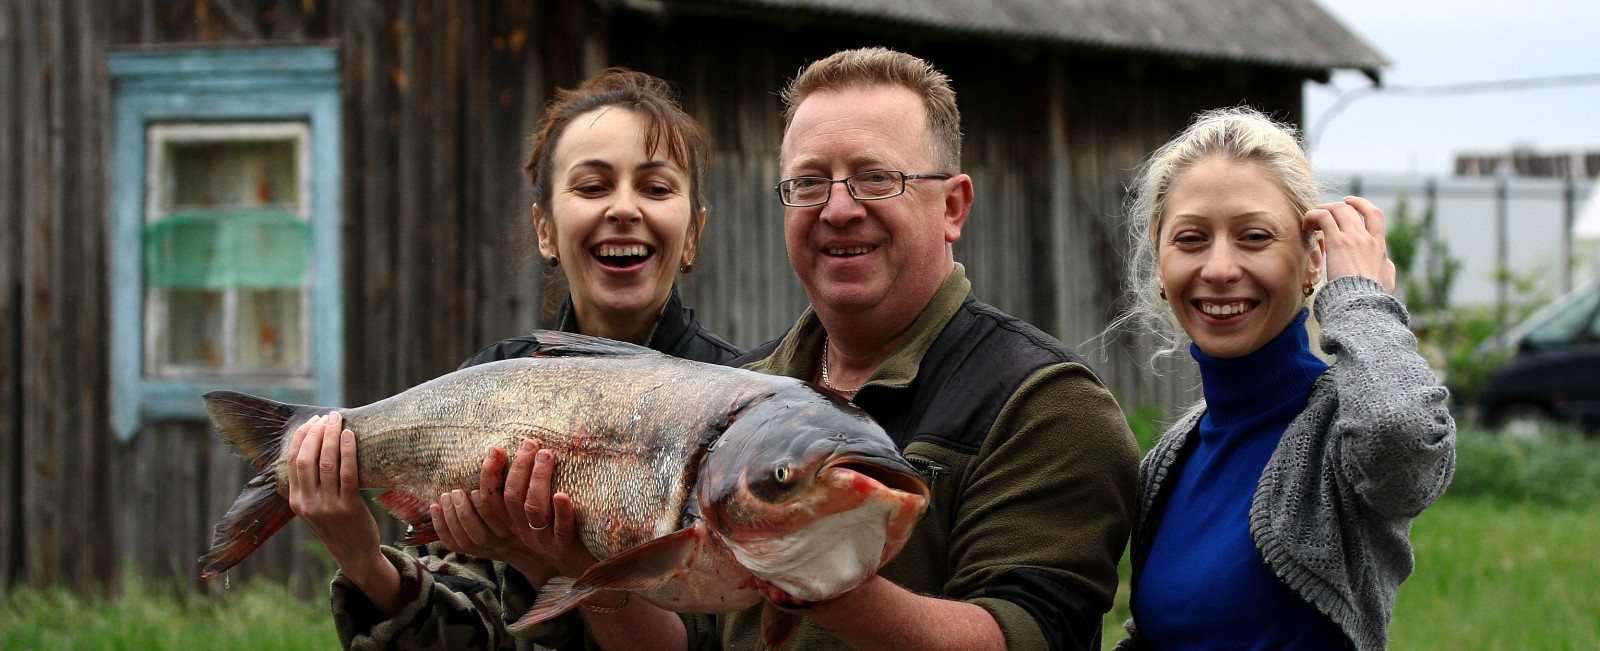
1512	236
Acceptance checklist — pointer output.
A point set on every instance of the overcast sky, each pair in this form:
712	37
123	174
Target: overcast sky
1434	42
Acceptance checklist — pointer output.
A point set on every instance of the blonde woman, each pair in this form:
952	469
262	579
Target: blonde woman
1276	513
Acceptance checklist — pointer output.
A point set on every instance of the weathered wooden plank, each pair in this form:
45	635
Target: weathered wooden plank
11	326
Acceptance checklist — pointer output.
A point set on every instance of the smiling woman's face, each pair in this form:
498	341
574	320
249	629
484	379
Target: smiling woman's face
1233	258
618	220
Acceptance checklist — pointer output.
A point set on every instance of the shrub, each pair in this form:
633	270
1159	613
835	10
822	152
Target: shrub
1558	466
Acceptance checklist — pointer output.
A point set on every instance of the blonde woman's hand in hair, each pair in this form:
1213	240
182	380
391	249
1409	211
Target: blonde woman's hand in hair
1353	232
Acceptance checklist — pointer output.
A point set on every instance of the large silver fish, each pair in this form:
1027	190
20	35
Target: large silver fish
701	488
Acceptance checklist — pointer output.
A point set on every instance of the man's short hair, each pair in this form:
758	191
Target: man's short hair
876	66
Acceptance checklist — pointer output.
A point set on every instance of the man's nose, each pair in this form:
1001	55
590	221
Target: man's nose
841	206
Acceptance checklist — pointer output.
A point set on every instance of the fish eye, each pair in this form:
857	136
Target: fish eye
781	474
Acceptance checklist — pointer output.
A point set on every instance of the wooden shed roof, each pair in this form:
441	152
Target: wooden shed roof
1296	34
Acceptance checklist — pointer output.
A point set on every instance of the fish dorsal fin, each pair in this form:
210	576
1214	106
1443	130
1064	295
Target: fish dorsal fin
554	343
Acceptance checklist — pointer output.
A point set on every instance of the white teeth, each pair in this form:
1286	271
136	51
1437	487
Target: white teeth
1224	310
613	250
850	251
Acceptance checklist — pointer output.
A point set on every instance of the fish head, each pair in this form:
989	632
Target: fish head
809	494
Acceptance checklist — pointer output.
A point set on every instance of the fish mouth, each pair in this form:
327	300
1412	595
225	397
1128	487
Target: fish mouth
894	474
622	256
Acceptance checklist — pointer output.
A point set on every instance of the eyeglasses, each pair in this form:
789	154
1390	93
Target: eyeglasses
804	191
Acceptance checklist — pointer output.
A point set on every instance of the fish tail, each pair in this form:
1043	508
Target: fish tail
259	512
256	429
558	595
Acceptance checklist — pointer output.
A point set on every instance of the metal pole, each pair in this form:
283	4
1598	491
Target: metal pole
1501	249
1569	194
1433	264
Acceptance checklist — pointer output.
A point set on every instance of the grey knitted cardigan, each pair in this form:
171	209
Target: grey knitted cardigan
1374	446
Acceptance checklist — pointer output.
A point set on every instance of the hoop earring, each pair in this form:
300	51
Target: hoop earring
552	262
1307	290
1163	293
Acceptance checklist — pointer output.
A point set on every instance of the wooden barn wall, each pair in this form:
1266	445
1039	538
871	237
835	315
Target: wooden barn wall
56	474
438	101
1051	139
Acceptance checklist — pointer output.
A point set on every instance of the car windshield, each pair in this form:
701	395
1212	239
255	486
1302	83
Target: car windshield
1567	322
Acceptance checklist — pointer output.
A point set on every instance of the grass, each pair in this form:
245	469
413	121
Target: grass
261	615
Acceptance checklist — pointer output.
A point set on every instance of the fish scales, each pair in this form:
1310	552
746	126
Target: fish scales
623	429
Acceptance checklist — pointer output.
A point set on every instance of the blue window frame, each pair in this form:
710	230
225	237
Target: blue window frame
225	229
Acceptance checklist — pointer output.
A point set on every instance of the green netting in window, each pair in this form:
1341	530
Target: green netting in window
200	249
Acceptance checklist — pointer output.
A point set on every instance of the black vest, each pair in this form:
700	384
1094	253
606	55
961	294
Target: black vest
963	381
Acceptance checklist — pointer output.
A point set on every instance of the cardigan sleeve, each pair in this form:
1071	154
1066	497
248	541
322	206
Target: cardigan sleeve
1396	433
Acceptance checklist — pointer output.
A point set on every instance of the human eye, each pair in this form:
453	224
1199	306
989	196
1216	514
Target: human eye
1259	237
591	187
1188	238
808	188
659	190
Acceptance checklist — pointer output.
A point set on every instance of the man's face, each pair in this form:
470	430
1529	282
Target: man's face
886	255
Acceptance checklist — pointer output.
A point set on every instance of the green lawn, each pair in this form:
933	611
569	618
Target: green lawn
1490	575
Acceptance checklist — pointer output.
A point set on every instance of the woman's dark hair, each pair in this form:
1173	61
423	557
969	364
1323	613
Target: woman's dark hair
653	99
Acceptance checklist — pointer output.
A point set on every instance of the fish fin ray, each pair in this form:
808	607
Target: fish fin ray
414	511
777	625
253	427
553	343
259	512
558	595
647	565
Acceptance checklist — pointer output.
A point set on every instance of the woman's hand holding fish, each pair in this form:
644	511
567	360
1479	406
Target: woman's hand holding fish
1353	233
324	490
543	521
483	526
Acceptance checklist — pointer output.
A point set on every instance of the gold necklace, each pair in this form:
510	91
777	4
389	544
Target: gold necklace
851	393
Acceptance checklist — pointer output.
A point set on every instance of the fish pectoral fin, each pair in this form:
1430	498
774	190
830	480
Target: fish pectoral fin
557	596
414	512
777	625
648	565
643	567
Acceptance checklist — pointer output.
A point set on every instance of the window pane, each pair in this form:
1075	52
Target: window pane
192	337
232	173
267	318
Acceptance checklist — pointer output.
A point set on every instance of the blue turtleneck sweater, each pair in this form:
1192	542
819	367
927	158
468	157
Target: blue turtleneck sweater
1204	585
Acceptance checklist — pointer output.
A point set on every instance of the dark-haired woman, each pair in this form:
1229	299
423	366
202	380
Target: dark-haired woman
616	168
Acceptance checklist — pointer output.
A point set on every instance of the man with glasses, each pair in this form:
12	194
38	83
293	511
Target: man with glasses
1030	461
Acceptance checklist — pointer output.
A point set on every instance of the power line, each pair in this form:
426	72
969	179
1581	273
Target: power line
1525	83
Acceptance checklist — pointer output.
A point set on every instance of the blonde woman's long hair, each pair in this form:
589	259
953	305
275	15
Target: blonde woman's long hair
1239	134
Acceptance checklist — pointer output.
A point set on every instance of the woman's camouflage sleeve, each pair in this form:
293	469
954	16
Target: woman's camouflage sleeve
450	601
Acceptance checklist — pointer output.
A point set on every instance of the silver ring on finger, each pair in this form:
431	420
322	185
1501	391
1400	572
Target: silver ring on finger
530	526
